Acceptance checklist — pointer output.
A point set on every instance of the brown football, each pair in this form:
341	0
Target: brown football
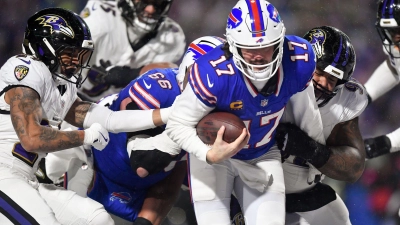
208	127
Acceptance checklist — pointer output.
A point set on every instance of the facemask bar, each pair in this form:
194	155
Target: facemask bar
248	69
385	33
83	58
324	94
147	23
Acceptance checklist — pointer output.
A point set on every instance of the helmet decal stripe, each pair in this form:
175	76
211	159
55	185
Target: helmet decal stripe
336	60
391	8
346	56
256	18
196	48
385	5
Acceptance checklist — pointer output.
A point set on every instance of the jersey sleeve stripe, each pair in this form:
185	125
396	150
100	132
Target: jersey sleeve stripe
201	88
196	91
138	101
146	95
143	98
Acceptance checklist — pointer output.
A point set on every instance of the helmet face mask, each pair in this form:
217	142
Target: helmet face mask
61	40
336	60
72	61
390	38
255	25
323	94
388	26
135	12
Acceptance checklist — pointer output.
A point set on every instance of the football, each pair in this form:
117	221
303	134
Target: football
208	127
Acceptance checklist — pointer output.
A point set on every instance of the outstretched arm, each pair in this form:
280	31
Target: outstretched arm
26	115
84	114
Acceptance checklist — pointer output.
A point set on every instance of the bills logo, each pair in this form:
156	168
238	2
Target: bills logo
260	40
56	23
317	39
202	47
273	13
122	197
234	18
20	72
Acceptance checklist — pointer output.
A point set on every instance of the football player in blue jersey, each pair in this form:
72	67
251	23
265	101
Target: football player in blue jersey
253	75
341	99
141	186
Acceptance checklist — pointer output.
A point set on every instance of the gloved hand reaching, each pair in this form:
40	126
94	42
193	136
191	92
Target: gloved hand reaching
293	141
96	136
119	76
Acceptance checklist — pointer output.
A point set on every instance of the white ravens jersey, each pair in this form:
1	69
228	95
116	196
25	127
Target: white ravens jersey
110	35
23	70
349	102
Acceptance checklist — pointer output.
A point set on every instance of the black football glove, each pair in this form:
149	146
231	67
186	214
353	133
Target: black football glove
154	161
293	141
119	76
377	146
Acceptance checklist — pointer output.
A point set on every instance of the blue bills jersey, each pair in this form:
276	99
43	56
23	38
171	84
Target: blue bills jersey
218	83
116	185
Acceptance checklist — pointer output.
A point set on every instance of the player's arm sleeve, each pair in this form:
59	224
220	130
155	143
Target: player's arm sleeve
119	121
382	80
146	100
302	110
196	101
188	110
356	102
33	75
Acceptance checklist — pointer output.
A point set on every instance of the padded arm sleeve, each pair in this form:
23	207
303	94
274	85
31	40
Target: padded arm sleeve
119	121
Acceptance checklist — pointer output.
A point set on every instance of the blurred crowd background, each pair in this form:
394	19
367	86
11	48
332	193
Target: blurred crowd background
375	198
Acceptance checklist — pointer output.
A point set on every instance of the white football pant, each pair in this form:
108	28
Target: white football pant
212	185
334	213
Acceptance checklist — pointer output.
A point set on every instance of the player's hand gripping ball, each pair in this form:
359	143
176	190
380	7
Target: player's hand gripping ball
208	127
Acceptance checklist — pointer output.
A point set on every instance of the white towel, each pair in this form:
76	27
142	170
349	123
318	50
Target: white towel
160	142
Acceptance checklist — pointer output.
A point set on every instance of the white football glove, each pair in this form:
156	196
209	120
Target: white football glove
96	136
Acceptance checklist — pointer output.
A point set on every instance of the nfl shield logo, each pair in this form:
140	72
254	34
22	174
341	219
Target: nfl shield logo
264	102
